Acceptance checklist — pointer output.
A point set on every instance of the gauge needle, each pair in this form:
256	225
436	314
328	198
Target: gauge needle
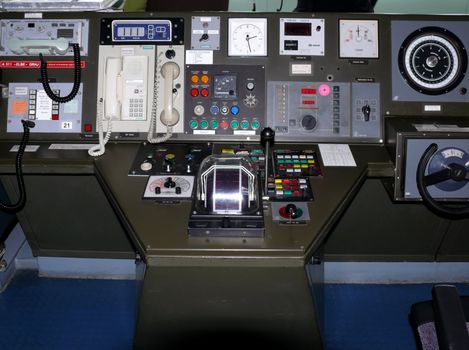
247	39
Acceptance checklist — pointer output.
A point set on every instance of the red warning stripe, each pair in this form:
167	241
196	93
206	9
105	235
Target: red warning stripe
37	64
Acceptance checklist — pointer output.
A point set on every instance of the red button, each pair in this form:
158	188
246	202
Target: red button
224	124
204	92
88	128
194	92
55	117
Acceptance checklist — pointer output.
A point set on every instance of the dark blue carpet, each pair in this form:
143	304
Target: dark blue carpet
372	317
43	313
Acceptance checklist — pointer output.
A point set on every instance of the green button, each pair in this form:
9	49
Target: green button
193	124
287	193
204	124
214	124
296	161
288	161
255	125
244	124
280	161
234	124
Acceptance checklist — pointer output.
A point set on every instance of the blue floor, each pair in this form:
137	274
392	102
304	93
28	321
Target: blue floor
372	316
43	313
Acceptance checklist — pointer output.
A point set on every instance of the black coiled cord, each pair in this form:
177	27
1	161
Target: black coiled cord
76	77
14	208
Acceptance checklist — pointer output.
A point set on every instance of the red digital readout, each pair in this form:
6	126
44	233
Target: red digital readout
308	91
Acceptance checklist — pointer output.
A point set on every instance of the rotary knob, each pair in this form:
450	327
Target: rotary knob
309	122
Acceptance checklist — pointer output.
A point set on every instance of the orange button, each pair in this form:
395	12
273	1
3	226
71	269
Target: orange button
204	79
19	107
195	79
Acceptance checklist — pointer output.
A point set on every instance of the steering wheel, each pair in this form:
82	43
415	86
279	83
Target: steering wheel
457	173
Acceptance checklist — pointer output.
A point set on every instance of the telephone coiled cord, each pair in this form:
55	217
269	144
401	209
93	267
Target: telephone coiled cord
14	208
76	77
153	118
99	149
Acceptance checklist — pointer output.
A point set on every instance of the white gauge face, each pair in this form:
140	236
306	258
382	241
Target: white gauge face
359	39
247	37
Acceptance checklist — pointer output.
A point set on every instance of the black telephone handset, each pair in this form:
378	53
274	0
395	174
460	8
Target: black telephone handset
19	205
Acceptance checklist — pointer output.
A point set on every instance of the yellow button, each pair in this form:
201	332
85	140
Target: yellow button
310	161
204	79
278	187
296	165
195	79
227	150
304	165
278	181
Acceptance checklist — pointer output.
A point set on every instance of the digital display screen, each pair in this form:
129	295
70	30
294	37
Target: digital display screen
225	86
297	29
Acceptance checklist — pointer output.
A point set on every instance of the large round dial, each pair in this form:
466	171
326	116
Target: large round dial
432	60
247	37
443	160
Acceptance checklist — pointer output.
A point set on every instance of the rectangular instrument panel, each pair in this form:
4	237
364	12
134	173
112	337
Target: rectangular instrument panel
121	31
30	101
225	99
29	37
141	30
323	109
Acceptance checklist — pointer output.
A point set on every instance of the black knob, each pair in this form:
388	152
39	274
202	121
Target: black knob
204	37
157	190
291	211
267	136
309	122
169	183
178	190
170	54
366	112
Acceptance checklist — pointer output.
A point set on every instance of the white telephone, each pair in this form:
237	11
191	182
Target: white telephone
123	88
129	89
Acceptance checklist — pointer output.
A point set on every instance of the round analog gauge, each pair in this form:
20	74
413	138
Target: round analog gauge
247	37
433	61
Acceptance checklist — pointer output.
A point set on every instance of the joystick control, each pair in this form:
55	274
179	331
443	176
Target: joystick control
290	211
267	141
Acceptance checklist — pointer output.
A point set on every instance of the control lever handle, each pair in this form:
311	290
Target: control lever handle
267	141
366	109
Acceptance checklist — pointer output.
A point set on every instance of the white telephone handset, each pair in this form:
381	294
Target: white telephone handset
110	108
169	116
113	88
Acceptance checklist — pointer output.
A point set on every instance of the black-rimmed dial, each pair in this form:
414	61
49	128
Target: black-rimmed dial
432	60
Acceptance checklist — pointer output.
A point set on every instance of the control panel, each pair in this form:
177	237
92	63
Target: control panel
324	110
29	37
225	100
29	101
174	159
